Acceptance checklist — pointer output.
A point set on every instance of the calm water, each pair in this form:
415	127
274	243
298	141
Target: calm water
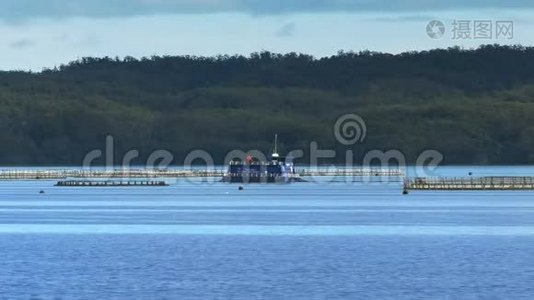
298	241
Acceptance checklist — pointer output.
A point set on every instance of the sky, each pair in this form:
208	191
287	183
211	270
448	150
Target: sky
39	34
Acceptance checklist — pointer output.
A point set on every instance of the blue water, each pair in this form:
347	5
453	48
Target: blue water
297	241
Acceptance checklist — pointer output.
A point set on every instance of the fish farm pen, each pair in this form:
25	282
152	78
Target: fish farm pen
480	183
87	183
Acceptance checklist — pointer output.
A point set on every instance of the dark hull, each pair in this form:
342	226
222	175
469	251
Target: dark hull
255	179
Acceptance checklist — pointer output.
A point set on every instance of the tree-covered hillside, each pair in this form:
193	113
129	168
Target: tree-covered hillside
475	106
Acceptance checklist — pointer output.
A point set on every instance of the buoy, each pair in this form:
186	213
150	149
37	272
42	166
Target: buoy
470	173
41	192
405	192
240	188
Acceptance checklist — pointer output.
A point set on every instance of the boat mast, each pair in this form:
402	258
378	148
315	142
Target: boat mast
275	154
275	143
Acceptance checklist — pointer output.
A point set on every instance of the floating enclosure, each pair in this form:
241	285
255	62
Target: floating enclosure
480	183
110	183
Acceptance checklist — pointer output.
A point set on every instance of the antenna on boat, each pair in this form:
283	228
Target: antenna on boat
275	154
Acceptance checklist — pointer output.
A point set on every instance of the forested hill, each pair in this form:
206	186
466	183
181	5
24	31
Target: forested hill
475	106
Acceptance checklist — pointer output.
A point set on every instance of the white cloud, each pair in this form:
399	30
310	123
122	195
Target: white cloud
16	10
21	43
287	30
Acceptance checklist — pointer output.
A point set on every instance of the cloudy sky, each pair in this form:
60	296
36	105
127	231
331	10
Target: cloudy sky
45	33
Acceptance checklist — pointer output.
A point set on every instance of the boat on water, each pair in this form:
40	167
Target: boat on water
277	169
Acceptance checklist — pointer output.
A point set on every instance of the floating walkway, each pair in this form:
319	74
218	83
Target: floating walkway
475	184
57	174
87	183
355	172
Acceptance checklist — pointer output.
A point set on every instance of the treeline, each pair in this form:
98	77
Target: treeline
474	106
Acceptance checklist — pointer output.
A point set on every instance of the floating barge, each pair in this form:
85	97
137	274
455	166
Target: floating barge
276	170
492	183
110	183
